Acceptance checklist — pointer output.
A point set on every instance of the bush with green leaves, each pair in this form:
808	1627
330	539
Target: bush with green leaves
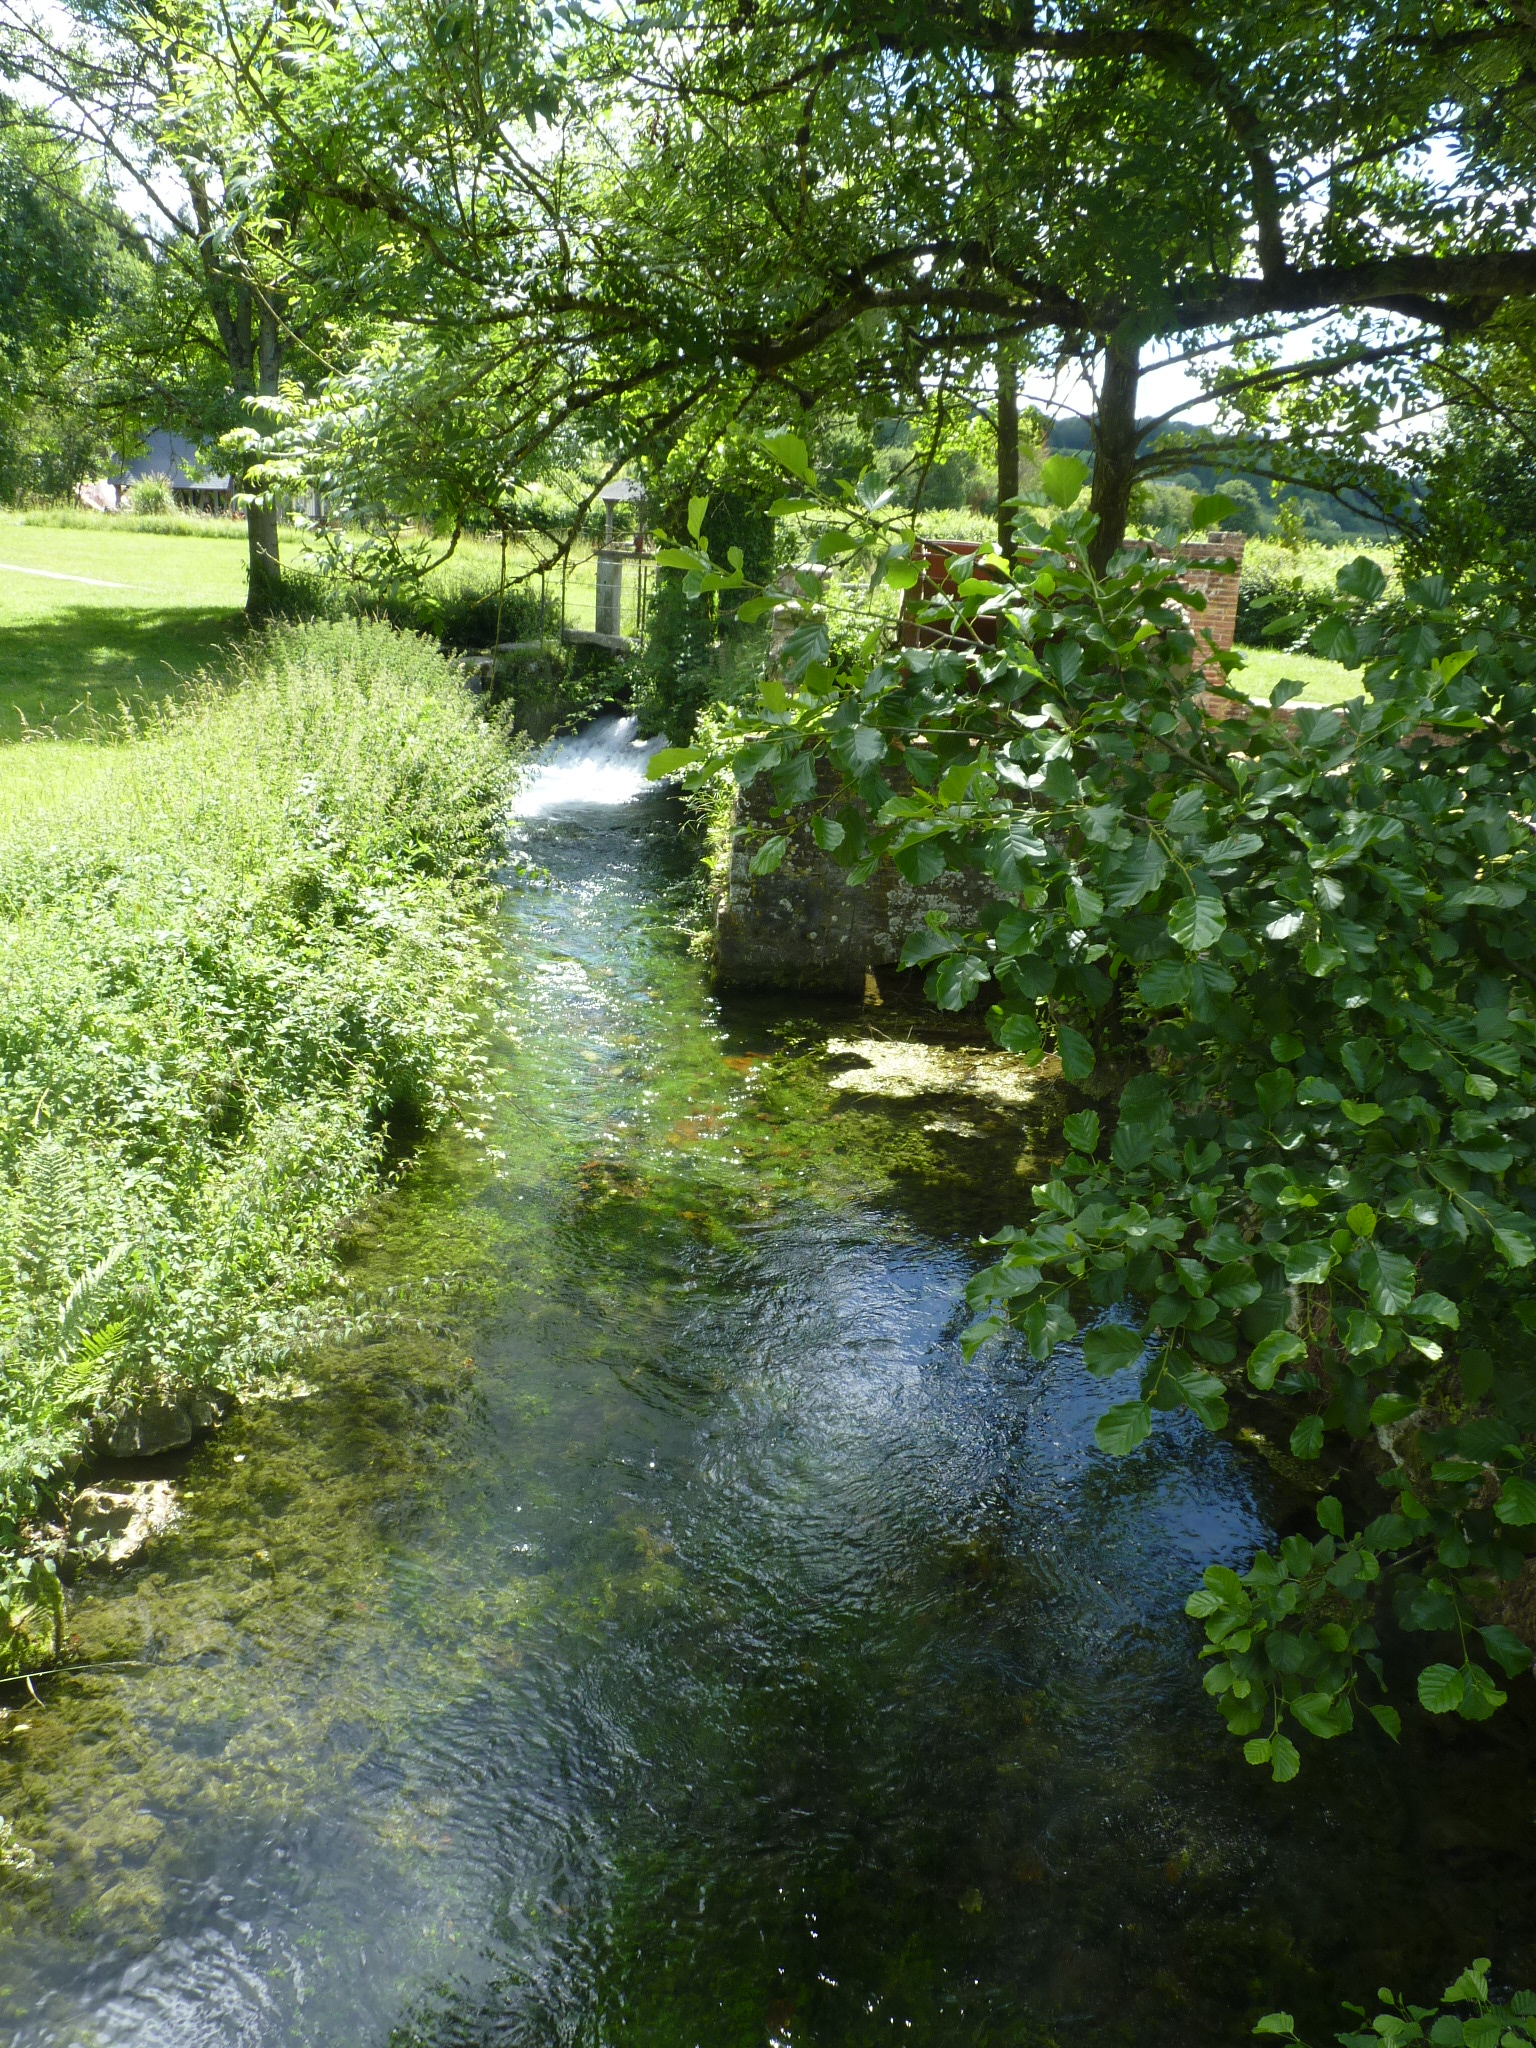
1483	2021
461	606
1286	958
151	496
238	975
1286	593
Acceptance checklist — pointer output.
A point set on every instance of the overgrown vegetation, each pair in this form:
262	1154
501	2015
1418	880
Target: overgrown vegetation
238	978
1286	593
463	604
1295	951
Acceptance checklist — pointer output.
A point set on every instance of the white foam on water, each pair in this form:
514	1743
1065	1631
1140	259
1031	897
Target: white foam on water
605	765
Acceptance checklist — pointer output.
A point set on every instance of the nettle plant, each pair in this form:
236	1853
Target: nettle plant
1286	957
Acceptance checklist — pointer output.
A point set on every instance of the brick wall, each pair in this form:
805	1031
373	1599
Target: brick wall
1216	583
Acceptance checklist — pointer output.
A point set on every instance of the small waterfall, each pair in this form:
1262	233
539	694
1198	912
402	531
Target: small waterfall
605	765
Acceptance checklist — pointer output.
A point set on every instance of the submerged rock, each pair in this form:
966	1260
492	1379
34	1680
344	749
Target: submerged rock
157	1425
116	1522
905	1068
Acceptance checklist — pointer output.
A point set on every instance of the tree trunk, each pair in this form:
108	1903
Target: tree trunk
265	572
1007	446
1115	443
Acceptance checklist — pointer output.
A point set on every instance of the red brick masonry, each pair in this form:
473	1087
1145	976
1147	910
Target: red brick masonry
1218	585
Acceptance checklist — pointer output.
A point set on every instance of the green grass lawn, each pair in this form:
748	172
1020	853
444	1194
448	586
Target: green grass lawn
1327	682
94	617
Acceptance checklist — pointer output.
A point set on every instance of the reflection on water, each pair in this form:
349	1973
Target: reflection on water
649	1631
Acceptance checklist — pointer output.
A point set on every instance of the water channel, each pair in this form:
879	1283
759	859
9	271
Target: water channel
641	1627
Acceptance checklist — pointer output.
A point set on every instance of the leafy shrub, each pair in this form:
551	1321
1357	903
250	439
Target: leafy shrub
696	655
235	976
1484	2021
1479	495
151	497
1156	505
1286	593
457	606
1295	952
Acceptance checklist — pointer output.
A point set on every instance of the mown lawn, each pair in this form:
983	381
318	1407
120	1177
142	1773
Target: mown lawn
1326	682
91	618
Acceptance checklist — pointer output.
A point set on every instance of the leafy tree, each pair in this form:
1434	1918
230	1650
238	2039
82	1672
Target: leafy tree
62	266
1285	960
746	212
183	103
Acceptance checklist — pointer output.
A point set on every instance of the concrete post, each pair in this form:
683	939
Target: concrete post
610	592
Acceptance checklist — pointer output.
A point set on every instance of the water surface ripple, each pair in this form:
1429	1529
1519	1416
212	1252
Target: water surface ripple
666	1639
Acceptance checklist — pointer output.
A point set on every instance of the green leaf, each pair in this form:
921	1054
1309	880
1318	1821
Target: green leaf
1481	1698
1120	1429
1516	1504
1389	1408
1210	510
1506	1649
769	855
954	982
1388	1720
1361	1332
1321	1715
1441	1688
1061	478
1272	2022
1335	640
1307	1437
1362	1219
1085	904
1075	1052
1389	1279
1330	1516
1308	1264
827	833
1284	1759
1166	985
1204	1395
1363	1114
1082	1131
697	507
789	450
1197	922
1270	1353
1515	1247
1361	578
1110	1348
669	760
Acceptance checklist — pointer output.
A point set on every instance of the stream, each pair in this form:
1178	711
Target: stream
638	1628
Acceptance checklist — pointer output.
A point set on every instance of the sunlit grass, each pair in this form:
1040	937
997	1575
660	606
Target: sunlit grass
1323	682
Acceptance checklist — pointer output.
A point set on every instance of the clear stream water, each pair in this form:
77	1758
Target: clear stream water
642	1628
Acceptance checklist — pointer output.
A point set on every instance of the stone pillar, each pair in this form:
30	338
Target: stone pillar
610	592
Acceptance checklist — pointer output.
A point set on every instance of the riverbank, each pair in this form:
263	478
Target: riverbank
648	1628
243	971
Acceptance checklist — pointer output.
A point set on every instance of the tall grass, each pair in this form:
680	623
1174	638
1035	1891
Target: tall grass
238	974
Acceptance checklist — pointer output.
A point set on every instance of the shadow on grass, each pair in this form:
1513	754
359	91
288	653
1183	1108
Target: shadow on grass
80	666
